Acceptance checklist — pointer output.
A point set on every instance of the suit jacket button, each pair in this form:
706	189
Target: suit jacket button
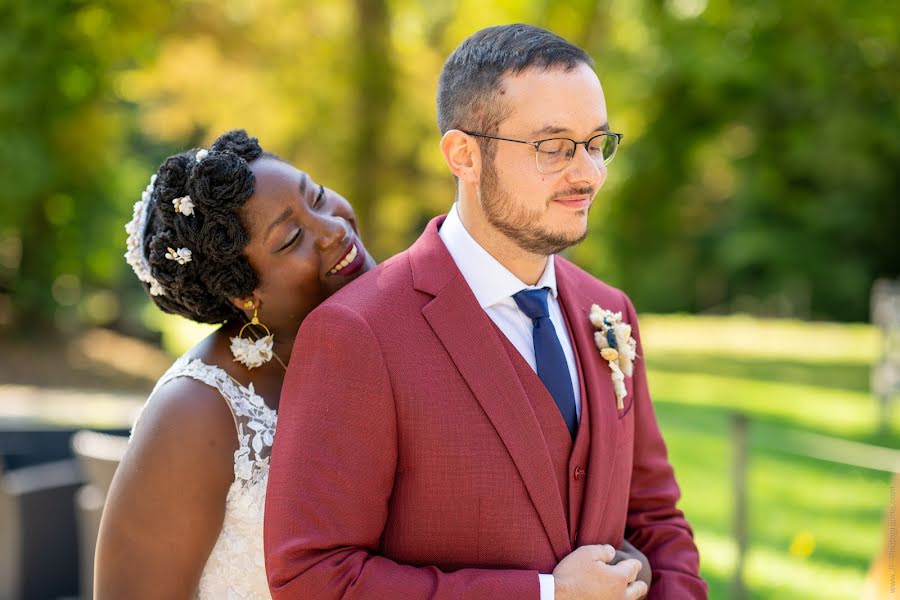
579	473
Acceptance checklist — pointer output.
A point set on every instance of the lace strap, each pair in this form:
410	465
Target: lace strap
210	375
195	369
253	419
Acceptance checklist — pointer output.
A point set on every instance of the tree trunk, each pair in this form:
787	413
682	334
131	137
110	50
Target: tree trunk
375	93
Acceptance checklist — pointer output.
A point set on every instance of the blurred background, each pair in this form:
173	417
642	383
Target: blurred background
750	211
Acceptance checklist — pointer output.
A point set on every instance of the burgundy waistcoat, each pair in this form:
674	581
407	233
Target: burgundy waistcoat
569	459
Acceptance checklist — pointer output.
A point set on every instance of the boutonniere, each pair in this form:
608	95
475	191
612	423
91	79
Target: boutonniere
617	347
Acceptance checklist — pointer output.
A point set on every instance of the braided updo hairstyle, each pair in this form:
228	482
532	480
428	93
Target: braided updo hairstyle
219	185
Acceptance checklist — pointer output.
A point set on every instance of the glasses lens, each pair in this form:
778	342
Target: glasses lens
603	147
553	155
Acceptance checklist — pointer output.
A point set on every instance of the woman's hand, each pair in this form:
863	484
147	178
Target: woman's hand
629	551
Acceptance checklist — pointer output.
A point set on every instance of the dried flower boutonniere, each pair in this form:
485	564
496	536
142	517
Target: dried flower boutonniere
617	347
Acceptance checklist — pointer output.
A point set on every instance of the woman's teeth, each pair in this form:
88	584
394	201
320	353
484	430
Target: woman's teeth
351	256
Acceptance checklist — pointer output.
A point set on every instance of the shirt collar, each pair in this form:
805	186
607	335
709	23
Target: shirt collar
489	280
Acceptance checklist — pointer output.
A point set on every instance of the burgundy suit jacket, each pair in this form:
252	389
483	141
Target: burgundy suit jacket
408	463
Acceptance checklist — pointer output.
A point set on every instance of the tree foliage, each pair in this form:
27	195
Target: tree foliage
758	171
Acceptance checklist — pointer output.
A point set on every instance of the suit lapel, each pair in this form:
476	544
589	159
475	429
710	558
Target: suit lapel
599	399
466	333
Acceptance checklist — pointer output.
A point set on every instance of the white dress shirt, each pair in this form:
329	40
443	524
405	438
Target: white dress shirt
493	286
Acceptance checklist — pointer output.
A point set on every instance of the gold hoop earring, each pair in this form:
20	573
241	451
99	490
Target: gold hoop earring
252	353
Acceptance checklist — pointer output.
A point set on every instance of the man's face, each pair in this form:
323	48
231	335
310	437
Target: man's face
544	213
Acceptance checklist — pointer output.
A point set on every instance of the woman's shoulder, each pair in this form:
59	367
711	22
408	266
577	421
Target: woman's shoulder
189	407
194	384
201	394
189	414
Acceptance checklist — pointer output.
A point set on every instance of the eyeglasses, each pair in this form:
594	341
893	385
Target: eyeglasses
554	154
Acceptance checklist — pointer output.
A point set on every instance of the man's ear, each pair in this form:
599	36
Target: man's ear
463	155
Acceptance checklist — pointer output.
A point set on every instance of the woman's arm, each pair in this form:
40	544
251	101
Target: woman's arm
166	504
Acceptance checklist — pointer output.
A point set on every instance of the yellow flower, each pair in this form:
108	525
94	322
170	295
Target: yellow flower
803	544
609	354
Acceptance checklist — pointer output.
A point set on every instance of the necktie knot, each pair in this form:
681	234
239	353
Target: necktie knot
533	302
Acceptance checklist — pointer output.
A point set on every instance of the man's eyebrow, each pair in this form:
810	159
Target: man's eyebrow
278	221
556	129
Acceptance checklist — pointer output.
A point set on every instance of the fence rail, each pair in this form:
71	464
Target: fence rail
797	443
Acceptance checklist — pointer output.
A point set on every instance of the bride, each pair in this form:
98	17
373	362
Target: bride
230	235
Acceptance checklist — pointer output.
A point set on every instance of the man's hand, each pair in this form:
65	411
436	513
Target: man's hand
586	573
629	551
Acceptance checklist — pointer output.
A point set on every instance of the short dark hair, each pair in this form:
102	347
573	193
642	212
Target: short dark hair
215	233
469	86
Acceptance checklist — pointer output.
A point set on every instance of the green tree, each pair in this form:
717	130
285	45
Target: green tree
764	178
757	172
62	157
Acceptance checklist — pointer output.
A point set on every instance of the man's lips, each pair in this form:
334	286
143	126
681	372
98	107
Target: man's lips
576	202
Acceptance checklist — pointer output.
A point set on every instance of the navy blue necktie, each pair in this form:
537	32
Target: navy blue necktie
552	367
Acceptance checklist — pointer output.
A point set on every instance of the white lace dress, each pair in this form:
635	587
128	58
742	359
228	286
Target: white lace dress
235	569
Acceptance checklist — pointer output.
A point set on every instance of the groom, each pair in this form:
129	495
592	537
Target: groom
448	427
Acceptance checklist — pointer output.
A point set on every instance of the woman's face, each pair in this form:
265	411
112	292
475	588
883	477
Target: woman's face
304	243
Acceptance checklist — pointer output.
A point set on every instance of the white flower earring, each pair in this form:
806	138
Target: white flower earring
252	353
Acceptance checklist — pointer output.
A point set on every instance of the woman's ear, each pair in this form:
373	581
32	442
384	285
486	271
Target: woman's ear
463	155
246	304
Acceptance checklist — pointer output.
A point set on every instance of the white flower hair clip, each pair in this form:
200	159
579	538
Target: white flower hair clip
135	243
184	205
617	347
182	256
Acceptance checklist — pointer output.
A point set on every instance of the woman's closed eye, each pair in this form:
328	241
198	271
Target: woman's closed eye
320	196
295	235
290	240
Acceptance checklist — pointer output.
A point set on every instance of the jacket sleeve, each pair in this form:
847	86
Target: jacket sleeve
654	525
332	473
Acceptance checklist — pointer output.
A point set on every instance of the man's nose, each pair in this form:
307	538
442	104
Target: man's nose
584	169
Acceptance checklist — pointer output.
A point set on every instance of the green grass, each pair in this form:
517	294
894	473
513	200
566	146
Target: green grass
787	376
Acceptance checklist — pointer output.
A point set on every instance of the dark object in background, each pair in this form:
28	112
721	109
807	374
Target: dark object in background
39	550
99	455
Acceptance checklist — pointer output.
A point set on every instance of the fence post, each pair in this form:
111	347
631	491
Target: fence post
739	435
885	376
